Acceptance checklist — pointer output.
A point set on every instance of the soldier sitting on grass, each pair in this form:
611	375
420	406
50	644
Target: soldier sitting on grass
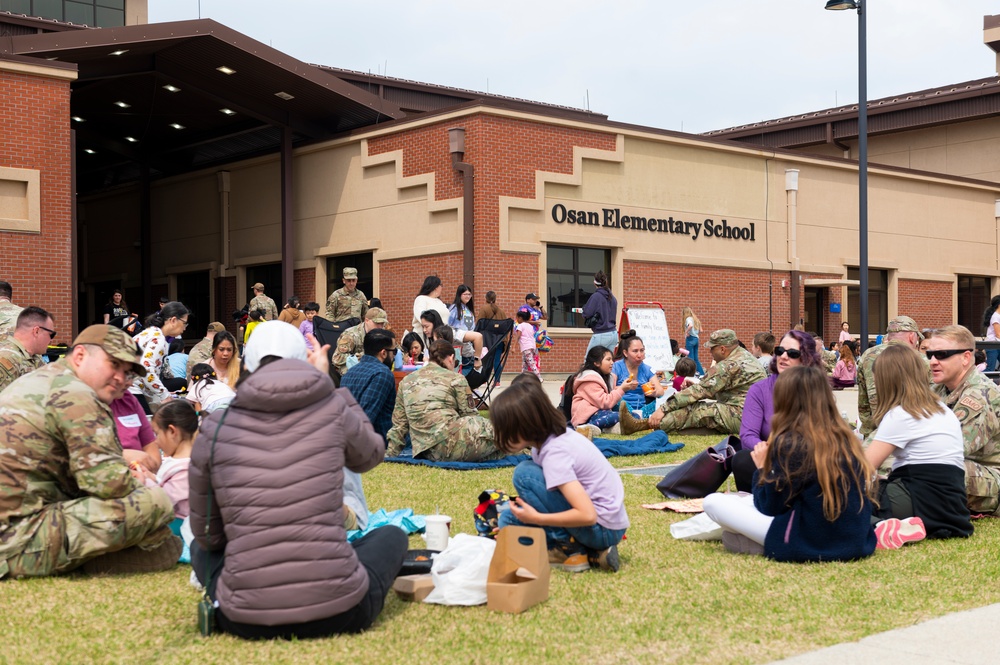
67	498
736	370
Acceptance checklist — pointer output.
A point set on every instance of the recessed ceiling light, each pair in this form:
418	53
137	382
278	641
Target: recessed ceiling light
226	70
90	151
171	88
177	125
77	118
123	105
131	139
55	57
284	95
119	52
227	111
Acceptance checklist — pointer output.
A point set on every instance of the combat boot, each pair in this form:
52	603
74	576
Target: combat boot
629	423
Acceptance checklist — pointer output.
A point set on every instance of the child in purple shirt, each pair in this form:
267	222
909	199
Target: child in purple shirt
306	327
569	488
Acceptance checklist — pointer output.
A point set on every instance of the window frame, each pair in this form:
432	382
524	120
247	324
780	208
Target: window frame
575	321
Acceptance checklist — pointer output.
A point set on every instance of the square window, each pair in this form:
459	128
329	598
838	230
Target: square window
48	9
569	282
80	13
110	18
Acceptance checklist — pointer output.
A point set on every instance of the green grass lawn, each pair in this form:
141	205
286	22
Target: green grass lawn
672	602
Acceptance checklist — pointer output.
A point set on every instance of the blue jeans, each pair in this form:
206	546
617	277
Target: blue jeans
691	344
529	482
608	339
991	359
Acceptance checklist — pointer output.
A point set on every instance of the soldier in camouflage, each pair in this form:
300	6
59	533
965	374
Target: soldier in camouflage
352	341
348	302
263	303
21	353
901	330
975	399
828	357
435	406
735	371
202	351
67	497
8	311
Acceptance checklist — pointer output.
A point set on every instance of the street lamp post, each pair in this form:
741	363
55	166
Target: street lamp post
862	159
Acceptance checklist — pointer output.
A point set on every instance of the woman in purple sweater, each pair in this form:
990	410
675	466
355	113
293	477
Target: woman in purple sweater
797	348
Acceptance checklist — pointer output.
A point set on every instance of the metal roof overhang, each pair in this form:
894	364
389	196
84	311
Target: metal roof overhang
124	95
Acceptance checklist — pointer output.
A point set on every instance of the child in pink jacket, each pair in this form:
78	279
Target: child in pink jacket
589	394
175	424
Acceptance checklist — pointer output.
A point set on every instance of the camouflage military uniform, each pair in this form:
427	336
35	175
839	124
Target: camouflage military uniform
15	361
8	318
264	303
342	305
433	406
976	402
727	385
66	494
829	360
350	343
200	353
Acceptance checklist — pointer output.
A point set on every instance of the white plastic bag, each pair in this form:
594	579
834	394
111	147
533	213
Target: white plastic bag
699	527
460	571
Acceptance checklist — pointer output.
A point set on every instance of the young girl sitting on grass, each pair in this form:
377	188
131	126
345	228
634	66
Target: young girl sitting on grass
175	424
589	394
207	392
684	368
569	488
812	490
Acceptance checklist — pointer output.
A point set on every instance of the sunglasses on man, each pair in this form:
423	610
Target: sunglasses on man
52	333
946	353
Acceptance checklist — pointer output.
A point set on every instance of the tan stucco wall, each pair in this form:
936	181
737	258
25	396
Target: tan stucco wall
969	149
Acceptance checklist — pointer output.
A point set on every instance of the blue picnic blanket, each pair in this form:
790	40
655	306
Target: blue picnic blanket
654	442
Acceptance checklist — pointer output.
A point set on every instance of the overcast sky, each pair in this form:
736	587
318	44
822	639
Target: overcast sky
694	66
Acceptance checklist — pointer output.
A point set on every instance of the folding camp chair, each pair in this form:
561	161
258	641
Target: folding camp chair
328	332
496	338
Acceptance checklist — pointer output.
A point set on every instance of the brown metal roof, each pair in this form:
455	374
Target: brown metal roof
968	100
20	24
415	96
186	55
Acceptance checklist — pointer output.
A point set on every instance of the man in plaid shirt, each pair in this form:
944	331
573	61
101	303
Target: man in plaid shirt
371	381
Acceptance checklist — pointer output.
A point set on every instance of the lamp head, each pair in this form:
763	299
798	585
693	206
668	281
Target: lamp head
843	4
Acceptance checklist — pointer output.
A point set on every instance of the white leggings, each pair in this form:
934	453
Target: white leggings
737	513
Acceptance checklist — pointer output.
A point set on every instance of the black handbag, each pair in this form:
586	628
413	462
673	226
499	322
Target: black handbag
702	474
593	321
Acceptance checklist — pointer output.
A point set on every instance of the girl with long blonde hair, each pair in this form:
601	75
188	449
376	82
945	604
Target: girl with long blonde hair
845	372
812	491
925	492
692	329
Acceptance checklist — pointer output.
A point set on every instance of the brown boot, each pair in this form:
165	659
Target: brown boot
629	423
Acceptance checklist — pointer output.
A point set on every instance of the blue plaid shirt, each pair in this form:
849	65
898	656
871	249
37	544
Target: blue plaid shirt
374	387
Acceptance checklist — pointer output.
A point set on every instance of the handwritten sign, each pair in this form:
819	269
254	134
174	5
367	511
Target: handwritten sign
651	326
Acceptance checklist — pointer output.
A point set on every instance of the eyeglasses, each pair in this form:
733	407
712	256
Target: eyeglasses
52	333
793	354
184	321
945	353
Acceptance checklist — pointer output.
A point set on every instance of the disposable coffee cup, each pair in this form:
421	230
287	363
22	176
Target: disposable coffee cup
437	532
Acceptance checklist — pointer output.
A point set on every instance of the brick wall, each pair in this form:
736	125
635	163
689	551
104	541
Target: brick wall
35	134
401	279
304	285
928	303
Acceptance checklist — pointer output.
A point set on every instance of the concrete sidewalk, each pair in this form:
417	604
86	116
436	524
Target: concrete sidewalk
962	637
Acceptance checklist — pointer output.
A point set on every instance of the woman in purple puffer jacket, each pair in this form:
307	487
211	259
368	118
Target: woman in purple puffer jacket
276	557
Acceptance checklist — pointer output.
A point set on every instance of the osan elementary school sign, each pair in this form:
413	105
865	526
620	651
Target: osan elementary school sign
612	218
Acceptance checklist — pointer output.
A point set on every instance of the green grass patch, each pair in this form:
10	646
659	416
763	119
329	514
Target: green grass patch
672	602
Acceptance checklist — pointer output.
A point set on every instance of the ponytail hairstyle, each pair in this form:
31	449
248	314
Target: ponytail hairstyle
625	342
439	350
203	372
293	302
601	282
168	311
180	414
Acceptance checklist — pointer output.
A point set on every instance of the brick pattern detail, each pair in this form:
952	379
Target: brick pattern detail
928	303
401	280
35	134
304	282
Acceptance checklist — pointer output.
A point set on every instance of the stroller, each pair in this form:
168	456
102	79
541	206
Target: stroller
496	337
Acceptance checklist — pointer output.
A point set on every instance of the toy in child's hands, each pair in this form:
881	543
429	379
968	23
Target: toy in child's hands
486	514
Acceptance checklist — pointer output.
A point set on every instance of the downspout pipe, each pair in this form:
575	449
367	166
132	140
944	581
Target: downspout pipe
792	191
829	139
456	146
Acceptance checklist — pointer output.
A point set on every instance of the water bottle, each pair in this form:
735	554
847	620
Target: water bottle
399	359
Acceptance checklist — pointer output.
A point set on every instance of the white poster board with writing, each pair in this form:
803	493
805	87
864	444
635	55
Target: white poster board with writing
650	323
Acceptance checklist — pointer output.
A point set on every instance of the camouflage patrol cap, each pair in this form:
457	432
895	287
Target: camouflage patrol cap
215	326
904	324
377	315
115	342
258	287
724	337
350	273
